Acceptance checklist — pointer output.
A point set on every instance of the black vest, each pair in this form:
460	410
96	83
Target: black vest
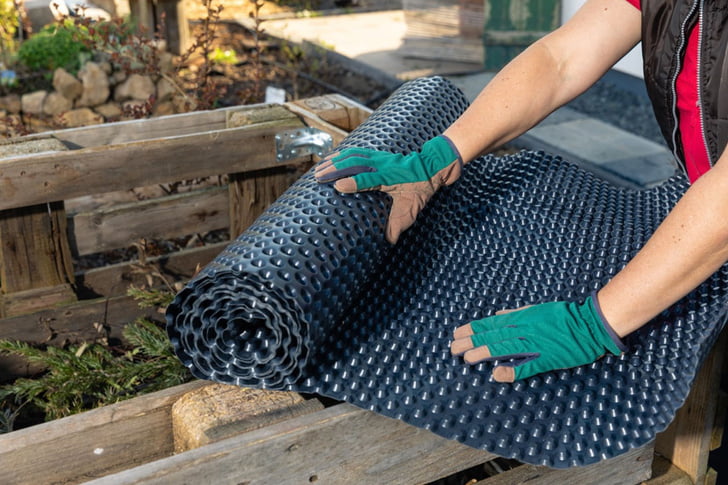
665	27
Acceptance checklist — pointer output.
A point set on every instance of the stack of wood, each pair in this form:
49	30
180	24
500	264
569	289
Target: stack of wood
448	30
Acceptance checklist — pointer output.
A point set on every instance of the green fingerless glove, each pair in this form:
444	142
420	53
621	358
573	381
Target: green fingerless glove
545	337
410	179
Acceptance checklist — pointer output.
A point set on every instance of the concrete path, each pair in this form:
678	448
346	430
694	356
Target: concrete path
373	38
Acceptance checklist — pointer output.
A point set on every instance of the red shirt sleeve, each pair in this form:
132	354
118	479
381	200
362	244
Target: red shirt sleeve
636	4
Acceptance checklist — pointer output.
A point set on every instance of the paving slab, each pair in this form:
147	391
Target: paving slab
609	151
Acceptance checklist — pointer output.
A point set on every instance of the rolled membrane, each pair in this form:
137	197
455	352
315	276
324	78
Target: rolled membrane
253	316
311	298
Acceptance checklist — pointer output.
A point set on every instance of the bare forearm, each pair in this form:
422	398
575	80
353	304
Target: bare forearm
548	74
689	246
517	98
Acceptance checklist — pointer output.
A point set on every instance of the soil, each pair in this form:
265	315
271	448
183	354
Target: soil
279	64
275	62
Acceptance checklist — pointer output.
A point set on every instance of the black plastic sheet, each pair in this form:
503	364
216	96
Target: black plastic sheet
312	298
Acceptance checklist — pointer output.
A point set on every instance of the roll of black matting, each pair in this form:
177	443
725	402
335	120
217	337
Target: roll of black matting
311	298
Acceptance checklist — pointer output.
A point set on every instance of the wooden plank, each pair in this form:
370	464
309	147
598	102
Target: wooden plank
86	321
631	468
35	258
163	218
93	443
39	179
444	48
686	442
341	444
314	121
75	322
357	112
665	473
146	129
252	192
721	413
332	113
113	280
29	301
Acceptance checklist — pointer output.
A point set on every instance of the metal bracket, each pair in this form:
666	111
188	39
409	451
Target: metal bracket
301	142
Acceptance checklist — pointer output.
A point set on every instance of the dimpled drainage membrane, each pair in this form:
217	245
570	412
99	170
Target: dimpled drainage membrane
311	298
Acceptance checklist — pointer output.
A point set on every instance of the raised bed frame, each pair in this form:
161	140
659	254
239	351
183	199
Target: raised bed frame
42	298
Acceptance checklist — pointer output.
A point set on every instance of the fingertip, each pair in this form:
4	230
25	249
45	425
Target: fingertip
324	164
463	331
503	373
477	354
323	173
459	347
328	158
392	235
346	185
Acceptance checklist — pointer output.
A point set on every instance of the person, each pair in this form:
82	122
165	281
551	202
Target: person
684	46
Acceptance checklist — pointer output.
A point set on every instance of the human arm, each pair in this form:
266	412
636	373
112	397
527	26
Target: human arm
548	74
689	246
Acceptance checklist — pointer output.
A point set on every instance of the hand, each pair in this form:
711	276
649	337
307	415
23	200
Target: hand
537	339
411	179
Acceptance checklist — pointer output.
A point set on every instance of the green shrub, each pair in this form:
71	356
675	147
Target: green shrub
86	376
8	29
63	45
219	56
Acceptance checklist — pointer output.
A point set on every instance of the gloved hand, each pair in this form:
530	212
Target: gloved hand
538	338
410	179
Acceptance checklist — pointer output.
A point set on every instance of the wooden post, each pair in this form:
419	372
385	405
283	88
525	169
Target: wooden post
687	441
35	259
252	192
36	269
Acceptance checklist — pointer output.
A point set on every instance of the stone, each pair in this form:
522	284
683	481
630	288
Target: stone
37	123
32	103
109	111
12	125
56	103
166	62
67	84
106	67
182	104
165	90
81	117
11	103
136	87
95	85
163	109
117	77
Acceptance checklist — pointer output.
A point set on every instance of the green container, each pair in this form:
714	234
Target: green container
512	25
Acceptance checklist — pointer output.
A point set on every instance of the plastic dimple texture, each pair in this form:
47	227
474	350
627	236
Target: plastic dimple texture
311	298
